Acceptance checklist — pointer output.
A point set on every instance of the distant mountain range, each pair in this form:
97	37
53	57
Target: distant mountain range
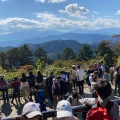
54	47
35	36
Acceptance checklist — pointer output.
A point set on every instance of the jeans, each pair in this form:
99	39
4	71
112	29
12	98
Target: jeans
5	91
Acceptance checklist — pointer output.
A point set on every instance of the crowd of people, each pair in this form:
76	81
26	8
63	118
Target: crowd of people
101	108
98	78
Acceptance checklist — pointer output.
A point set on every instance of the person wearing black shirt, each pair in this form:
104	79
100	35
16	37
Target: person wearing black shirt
31	81
100	73
49	82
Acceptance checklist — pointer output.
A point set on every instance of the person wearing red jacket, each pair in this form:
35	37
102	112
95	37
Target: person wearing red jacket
16	89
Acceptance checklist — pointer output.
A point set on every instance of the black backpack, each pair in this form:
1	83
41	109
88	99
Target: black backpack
39	79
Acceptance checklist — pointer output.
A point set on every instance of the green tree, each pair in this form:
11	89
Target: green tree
25	55
3	59
106	52
13	57
85	53
40	53
68	54
40	64
104	47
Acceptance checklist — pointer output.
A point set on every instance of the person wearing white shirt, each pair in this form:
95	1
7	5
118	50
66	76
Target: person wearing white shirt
80	79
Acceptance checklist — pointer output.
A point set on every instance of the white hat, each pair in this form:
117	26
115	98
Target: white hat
64	109
31	109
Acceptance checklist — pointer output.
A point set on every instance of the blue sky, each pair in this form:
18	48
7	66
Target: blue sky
60	15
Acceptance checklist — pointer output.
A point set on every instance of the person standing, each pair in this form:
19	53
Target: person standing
56	91
39	79
4	88
106	75
63	84
31	81
24	86
40	98
49	82
80	79
73	77
117	80
16	89
112	74
100	72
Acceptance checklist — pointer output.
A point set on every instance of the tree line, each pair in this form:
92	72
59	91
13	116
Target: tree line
19	56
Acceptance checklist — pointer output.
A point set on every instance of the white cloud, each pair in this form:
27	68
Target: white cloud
51	20
47	21
56	1
51	1
42	1
118	12
3	0
75	10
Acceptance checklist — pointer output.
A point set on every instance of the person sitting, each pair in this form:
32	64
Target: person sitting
4	88
31	111
103	91
16	89
64	111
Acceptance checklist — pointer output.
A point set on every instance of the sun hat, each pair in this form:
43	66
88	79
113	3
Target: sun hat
64	109
31	109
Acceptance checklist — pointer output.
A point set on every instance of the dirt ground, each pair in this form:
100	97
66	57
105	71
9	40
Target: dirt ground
9	109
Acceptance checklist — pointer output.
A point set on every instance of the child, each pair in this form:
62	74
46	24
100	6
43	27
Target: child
55	91
103	90
16	89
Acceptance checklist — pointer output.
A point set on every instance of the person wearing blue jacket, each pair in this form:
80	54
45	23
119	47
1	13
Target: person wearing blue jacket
40	97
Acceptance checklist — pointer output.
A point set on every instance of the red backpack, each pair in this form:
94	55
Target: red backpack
100	113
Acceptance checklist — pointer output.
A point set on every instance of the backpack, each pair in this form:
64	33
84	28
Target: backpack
87	80
100	113
39	79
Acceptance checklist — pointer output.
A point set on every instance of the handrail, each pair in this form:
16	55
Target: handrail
52	113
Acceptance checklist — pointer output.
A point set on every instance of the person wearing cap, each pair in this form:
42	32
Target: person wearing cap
64	111
31	111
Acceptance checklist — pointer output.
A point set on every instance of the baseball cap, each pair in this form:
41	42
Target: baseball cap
64	109
31	109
